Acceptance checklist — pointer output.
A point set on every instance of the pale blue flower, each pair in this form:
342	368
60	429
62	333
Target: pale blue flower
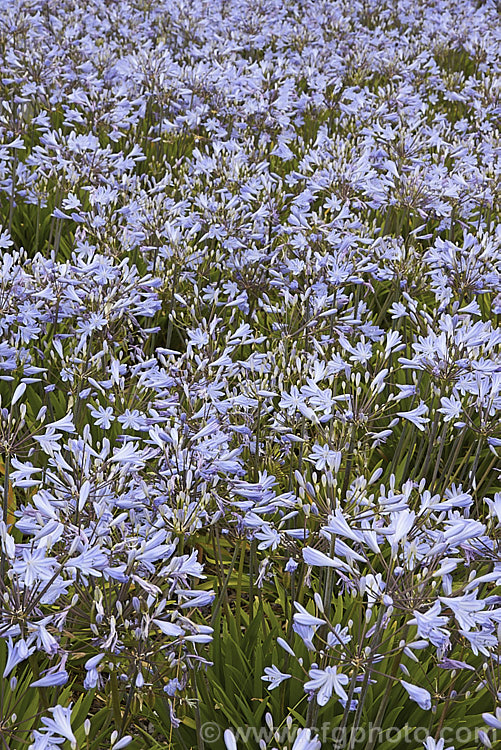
229	740
60	724
493	721
421	696
416	416
52	678
274	676
324	682
17	652
103	416
306	740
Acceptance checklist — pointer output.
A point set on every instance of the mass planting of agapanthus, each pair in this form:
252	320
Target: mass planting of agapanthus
250	374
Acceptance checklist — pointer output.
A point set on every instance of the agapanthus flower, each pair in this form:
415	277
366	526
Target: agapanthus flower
306	740
274	676
493	721
324	458
430	743
103	416
416	416
60	724
418	694
324	682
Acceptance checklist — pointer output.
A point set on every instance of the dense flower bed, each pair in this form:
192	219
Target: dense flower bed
250	374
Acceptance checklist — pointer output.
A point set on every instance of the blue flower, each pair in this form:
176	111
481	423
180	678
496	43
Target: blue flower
324	682
60	724
52	678
421	696
103	416
274	676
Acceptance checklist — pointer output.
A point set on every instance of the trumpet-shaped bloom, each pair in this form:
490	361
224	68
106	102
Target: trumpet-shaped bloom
421	696
324	682
60	724
416	416
306	740
274	676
